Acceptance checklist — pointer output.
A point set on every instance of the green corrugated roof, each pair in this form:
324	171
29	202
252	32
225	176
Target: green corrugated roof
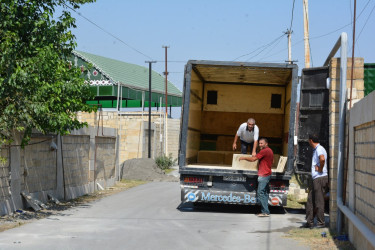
131	75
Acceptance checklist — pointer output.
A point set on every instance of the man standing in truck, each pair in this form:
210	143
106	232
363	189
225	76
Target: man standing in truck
248	133
265	157
319	174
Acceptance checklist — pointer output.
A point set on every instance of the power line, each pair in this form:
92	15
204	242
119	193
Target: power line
172	61
107	32
270	50
259	48
268	45
329	33
365	23
291	21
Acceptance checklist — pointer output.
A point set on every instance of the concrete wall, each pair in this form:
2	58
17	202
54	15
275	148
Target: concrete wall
359	174
63	166
361	170
5	196
38	165
133	132
334	95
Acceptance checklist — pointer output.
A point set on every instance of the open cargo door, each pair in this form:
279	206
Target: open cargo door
313	116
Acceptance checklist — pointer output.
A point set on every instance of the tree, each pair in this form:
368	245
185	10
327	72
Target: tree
38	87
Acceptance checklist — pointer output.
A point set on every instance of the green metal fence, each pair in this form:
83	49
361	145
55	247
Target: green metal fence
369	77
131	98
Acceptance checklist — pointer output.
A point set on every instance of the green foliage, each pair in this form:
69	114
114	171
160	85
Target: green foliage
38	88
164	162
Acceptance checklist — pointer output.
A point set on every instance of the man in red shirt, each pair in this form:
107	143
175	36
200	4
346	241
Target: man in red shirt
265	157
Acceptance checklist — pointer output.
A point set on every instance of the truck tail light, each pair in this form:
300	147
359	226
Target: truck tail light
277	187
193	180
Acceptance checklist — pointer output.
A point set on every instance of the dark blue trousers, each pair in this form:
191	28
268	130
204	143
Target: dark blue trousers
263	193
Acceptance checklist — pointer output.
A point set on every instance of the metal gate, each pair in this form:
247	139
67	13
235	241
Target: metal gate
314	114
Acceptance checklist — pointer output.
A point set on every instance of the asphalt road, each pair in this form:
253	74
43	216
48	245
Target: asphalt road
150	216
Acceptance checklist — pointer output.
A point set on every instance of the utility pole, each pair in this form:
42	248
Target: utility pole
166	79
166	99
306	32
149	106
289	33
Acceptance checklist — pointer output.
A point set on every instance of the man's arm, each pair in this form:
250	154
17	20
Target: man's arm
248	158
254	153
235	142
322	161
256	138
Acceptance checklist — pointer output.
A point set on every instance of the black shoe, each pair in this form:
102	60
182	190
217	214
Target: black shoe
307	225
320	226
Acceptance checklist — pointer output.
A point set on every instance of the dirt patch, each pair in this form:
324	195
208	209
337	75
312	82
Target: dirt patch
314	239
145	170
26	216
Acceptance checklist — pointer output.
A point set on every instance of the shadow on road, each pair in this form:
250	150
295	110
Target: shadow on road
226	208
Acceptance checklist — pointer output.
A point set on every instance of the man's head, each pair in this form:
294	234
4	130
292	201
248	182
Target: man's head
250	124
263	143
313	140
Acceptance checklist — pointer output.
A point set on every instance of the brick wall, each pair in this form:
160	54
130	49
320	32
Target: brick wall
173	137
334	96
133	132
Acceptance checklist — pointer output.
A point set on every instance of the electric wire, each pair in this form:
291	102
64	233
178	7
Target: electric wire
108	32
291	21
365	23
267	46
270	50
259	48
319	36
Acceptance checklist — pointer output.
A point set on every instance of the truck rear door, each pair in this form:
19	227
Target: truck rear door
313	114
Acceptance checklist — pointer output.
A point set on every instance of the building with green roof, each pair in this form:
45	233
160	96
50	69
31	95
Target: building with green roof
106	75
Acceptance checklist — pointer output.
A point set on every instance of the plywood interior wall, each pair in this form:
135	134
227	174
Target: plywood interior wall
194	122
218	123
227	123
244	98
287	117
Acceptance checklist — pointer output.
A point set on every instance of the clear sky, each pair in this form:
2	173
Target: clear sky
220	30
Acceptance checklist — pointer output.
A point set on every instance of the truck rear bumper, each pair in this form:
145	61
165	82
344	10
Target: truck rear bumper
228	197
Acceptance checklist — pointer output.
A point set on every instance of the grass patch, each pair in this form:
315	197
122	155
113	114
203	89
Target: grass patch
165	162
131	183
313	238
167	171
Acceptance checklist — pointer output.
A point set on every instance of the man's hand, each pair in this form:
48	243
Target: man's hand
234	146
254	154
317	169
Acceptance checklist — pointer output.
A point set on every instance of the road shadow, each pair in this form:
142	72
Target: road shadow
225	208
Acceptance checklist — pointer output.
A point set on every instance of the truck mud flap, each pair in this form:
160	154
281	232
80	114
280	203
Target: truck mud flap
228	197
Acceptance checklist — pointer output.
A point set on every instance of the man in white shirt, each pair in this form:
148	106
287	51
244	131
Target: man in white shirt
319	174
248	133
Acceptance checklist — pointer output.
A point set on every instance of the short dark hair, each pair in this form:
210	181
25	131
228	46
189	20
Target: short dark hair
264	139
314	138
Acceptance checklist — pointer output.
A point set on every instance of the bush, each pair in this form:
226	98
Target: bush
164	162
